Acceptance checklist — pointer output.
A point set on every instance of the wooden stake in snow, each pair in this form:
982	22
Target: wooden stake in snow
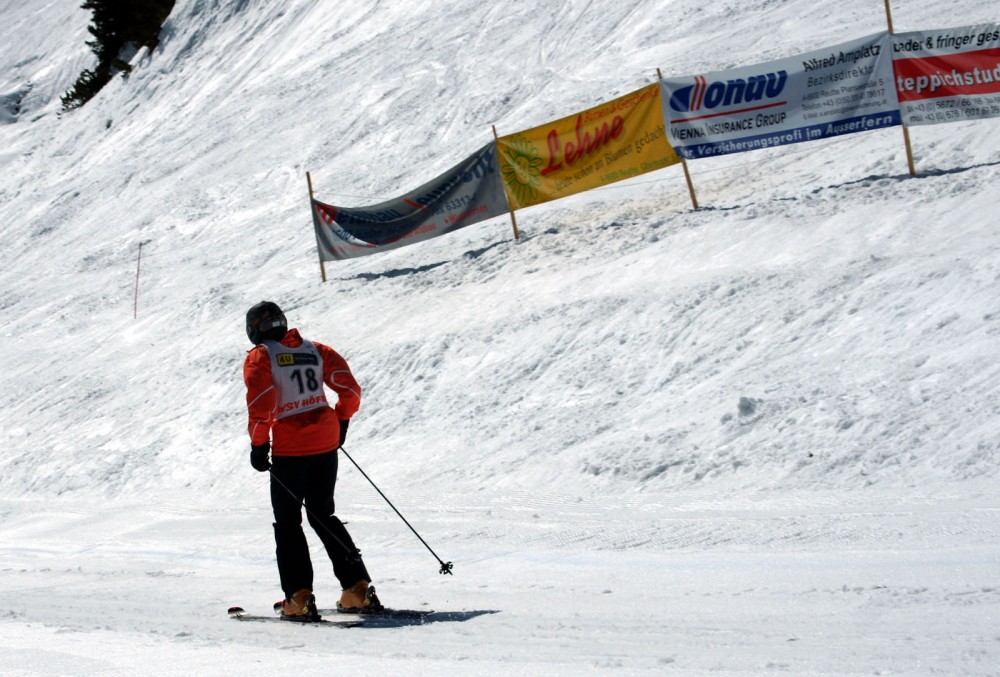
319	250
513	219
684	163
906	130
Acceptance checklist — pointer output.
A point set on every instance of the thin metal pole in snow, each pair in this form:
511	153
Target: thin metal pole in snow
135	305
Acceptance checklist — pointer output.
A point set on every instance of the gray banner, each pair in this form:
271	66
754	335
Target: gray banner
468	193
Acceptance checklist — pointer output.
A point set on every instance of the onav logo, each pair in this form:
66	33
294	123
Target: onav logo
703	95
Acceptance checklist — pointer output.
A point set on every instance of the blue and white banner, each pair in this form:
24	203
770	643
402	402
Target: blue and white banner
838	90
468	193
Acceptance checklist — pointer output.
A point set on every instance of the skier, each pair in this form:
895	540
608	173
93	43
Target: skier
284	375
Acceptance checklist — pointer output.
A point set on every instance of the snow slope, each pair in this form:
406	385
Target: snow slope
757	437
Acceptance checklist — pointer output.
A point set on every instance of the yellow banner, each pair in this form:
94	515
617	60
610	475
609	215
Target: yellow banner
610	142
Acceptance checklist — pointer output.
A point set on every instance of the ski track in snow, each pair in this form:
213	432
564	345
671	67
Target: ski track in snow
757	438
813	590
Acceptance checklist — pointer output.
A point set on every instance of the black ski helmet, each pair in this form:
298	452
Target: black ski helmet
265	321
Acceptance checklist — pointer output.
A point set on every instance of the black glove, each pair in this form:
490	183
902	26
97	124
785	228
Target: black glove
258	456
343	431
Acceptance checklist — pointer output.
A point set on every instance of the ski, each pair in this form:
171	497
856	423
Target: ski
240	614
380	611
374	609
383	612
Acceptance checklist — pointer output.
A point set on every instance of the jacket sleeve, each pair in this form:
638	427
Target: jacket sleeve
261	396
337	375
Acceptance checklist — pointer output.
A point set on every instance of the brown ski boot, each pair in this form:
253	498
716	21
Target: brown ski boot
300	607
360	598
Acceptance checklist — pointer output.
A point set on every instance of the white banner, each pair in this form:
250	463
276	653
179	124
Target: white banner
948	75
839	90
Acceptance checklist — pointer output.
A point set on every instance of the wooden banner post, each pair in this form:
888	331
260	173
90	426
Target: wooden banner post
319	249
513	219
906	131
684	164
687	176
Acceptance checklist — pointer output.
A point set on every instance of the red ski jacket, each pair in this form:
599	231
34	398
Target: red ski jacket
315	431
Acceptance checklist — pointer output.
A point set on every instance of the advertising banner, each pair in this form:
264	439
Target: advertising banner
466	194
838	90
948	75
610	142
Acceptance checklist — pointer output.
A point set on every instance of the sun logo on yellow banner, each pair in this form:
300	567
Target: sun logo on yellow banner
521	164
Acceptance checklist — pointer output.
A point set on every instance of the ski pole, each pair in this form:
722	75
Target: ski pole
302	502
445	566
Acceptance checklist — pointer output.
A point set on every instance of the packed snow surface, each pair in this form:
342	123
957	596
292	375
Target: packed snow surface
758	437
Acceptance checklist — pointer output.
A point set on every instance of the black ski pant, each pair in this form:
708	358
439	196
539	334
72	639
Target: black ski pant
310	480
